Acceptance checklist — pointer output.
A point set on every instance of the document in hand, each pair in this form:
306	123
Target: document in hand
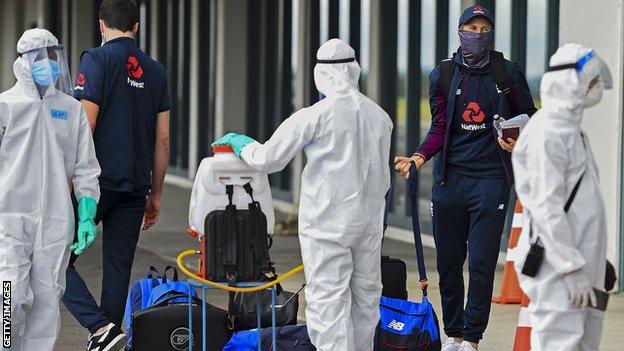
511	128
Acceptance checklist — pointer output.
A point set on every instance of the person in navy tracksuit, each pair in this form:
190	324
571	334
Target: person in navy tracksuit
472	175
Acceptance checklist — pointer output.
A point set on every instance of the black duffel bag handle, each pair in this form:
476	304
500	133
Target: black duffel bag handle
286	309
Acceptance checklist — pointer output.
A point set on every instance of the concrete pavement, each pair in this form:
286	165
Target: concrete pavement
161	244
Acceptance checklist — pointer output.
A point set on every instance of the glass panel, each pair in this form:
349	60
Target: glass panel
344	20
427	64
455	10
536	45
294	37
401	101
364	44
143	28
502	28
324	21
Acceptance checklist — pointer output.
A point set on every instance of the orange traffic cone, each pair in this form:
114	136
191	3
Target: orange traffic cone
522	341
510	290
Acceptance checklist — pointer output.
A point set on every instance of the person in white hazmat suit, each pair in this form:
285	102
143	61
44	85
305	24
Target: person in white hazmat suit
551	156
46	149
346	138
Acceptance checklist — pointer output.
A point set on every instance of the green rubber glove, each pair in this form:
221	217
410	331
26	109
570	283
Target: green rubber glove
225	140
236	141
87	231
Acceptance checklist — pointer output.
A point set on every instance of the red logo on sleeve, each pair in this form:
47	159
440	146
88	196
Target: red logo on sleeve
473	113
134	68
81	80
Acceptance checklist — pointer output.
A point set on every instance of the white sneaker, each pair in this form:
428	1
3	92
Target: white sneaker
450	345
465	346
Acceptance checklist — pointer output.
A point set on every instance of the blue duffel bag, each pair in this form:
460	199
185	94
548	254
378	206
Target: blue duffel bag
289	338
406	325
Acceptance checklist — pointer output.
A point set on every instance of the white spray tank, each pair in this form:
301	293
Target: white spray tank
208	194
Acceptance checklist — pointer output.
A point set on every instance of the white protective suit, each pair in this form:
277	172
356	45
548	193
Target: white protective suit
41	156
346	138
548	161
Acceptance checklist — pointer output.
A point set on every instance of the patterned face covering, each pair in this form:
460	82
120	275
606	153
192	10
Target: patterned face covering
475	48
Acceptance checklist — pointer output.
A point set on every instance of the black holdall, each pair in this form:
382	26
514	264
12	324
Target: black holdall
164	327
286	309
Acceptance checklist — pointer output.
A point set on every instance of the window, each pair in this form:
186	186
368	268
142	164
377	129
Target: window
427	65
400	121
502	29
536	44
270	90
207	29
364	53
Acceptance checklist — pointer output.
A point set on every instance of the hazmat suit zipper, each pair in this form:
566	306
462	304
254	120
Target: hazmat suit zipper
40	122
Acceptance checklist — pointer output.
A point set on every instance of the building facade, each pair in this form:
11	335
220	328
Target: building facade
246	65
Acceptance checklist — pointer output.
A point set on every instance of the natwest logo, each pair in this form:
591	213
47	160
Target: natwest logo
134	68
135	72
473	113
133	83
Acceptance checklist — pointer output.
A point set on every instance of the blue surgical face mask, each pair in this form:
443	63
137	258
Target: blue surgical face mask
45	72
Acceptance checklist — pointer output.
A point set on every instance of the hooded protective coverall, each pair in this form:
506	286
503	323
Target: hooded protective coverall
548	161
42	154
346	138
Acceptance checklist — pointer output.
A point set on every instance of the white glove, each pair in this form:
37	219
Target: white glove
581	292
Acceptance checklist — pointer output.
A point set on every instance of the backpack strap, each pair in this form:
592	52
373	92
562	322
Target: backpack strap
258	241
501	76
231	236
500	72
249	190
447	70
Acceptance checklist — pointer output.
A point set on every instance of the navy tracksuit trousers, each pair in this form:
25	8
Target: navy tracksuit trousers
468	218
121	215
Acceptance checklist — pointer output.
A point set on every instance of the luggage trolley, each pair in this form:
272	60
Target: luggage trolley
204	288
245	287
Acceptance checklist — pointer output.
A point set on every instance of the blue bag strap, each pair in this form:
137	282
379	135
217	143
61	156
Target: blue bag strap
413	194
151	271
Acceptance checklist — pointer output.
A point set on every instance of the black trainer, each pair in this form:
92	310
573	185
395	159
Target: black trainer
112	339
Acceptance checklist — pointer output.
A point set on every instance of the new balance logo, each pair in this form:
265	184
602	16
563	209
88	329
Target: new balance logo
501	206
396	325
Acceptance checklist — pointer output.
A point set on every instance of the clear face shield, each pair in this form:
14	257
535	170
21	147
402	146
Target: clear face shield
49	70
592	65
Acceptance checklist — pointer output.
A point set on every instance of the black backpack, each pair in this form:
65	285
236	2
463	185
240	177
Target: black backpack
497	60
236	243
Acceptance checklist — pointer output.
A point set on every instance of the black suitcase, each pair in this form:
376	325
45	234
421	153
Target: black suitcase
165	328
236	243
394	277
